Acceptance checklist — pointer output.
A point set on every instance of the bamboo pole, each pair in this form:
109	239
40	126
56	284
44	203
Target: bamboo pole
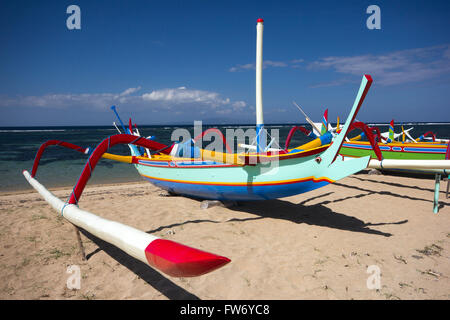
448	183
436	193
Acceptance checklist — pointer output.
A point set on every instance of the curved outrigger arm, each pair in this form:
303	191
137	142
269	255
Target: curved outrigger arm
48	143
170	257
369	134
307	133
153	145
426	134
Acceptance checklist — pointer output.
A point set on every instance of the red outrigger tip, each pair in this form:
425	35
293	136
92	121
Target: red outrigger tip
259	20
178	260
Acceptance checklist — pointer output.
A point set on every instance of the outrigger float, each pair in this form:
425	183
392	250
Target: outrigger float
205	174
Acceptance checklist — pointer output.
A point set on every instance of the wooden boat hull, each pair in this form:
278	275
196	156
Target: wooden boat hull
216	181
275	177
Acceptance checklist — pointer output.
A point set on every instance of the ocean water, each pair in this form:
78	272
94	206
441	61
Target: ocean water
61	167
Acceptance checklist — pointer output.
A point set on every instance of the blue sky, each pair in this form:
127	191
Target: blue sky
178	61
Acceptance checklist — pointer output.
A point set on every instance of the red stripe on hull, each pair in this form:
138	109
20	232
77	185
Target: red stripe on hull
243	184
178	260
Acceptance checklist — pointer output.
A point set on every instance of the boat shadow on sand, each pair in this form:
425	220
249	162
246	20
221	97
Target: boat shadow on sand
401	185
299	213
315	215
162	284
404	197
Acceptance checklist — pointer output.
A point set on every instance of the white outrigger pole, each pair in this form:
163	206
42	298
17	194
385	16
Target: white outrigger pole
170	257
260	136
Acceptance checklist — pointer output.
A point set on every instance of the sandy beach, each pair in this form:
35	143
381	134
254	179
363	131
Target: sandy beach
317	245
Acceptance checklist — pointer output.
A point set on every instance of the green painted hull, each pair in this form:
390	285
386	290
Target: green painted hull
399	151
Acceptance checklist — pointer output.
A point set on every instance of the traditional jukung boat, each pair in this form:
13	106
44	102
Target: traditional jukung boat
411	149
386	145
425	154
396	150
410	155
185	169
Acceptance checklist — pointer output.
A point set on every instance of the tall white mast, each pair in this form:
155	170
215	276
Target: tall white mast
261	137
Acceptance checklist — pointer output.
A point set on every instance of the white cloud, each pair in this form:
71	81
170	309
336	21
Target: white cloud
334	83
130	91
270	63
266	64
397	67
182	95
62	101
181	98
239	105
240	67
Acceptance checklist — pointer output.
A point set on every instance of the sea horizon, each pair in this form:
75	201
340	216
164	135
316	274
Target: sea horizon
60	167
188	124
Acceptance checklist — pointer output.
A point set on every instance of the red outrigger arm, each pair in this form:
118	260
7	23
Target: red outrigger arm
100	150
430	133
291	133
219	133
61	143
96	155
369	133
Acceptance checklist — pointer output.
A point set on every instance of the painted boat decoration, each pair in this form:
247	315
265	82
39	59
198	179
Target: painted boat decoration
413	155
407	149
396	150
187	170
425	154
387	145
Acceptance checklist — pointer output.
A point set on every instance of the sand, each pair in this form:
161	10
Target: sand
317	245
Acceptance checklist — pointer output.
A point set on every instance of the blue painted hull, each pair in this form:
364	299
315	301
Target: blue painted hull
238	193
